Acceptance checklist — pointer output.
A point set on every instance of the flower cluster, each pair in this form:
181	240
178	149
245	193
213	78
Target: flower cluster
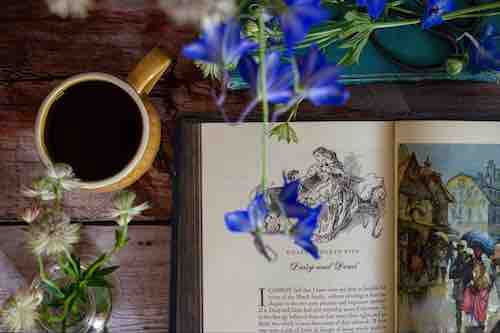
51	237
124	210
20	311
316	81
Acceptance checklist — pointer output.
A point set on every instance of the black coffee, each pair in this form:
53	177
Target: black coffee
95	127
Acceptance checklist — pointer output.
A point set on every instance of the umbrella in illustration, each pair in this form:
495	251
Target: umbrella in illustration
481	239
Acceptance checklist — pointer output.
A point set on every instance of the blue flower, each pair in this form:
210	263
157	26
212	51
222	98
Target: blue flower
220	44
248	220
279	77
434	12
303	231
298	16
307	217
319	80
375	7
485	53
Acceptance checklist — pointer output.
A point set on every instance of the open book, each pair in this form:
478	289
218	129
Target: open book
407	232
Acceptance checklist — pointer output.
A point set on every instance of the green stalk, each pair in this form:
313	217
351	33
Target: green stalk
480	8
457	14
41	268
263	95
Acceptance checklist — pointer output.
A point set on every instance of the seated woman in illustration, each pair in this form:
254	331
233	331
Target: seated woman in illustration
326	183
338	188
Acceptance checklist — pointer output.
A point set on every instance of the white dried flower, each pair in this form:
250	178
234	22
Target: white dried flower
30	214
19	312
124	211
198	12
40	189
63	175
70	8
53	237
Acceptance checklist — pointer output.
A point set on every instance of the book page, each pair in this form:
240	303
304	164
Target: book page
347	168
448	226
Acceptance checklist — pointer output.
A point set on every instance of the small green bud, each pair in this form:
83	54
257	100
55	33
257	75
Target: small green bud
454	66
284	132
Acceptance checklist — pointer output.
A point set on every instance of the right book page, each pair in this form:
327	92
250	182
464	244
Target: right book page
448	222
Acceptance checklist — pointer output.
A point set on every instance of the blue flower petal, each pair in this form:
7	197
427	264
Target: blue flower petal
249	70
485	53
308	246
220	44
196	51
290	192
489	30
431	21
279	77
304	229
239	221
320	80
334	94
434	12
312	62
257	211
299	17
375	8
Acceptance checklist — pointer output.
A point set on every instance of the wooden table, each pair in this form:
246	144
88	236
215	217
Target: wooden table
38	50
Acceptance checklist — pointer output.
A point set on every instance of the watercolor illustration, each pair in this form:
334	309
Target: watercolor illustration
448	238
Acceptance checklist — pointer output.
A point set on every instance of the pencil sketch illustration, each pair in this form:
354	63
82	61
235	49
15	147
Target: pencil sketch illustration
347	199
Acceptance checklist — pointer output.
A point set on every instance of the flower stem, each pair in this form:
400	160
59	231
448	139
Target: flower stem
41	268
457	14
479	8
263	95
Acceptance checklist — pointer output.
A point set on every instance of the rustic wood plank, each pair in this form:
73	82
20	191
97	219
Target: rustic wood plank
114	37
142	301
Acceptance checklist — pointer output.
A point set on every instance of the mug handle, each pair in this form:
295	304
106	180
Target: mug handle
148	71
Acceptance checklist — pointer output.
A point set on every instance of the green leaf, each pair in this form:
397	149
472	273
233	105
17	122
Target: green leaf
51	287
284	132
106	271
99	283
94	266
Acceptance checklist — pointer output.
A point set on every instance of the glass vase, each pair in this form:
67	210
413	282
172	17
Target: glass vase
91	315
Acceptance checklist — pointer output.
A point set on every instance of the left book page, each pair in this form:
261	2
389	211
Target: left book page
348	168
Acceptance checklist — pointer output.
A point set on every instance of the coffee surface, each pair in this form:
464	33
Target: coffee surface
95	127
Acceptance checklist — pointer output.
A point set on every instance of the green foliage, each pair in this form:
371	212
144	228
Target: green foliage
285	132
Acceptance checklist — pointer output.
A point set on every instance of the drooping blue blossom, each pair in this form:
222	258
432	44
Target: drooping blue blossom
289	202
298	16
303	231
319	80
375	7
221	44
307	217
279	80
434	12
484	54
248	220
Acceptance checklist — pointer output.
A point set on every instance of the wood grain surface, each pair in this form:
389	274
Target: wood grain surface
141	296
38	50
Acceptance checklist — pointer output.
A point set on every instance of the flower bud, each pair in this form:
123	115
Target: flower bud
454	66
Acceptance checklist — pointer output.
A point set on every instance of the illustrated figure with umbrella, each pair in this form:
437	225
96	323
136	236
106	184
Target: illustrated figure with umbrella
479	282
458	272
